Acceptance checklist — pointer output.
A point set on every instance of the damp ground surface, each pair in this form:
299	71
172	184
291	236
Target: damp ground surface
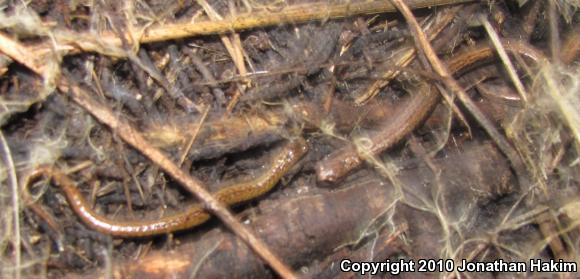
328	129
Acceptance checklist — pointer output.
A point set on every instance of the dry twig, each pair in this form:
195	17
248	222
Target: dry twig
106	41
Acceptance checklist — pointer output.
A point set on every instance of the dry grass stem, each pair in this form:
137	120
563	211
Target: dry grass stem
109	42
433	27
504	58
11	170
193	136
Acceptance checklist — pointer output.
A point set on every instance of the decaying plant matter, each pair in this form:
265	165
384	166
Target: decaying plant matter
367	130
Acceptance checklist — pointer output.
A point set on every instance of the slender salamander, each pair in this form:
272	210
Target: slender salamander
341	162
192	216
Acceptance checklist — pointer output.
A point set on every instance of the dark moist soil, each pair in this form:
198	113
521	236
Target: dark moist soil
444	192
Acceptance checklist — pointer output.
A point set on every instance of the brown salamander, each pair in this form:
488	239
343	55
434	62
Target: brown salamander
341	162
192	216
